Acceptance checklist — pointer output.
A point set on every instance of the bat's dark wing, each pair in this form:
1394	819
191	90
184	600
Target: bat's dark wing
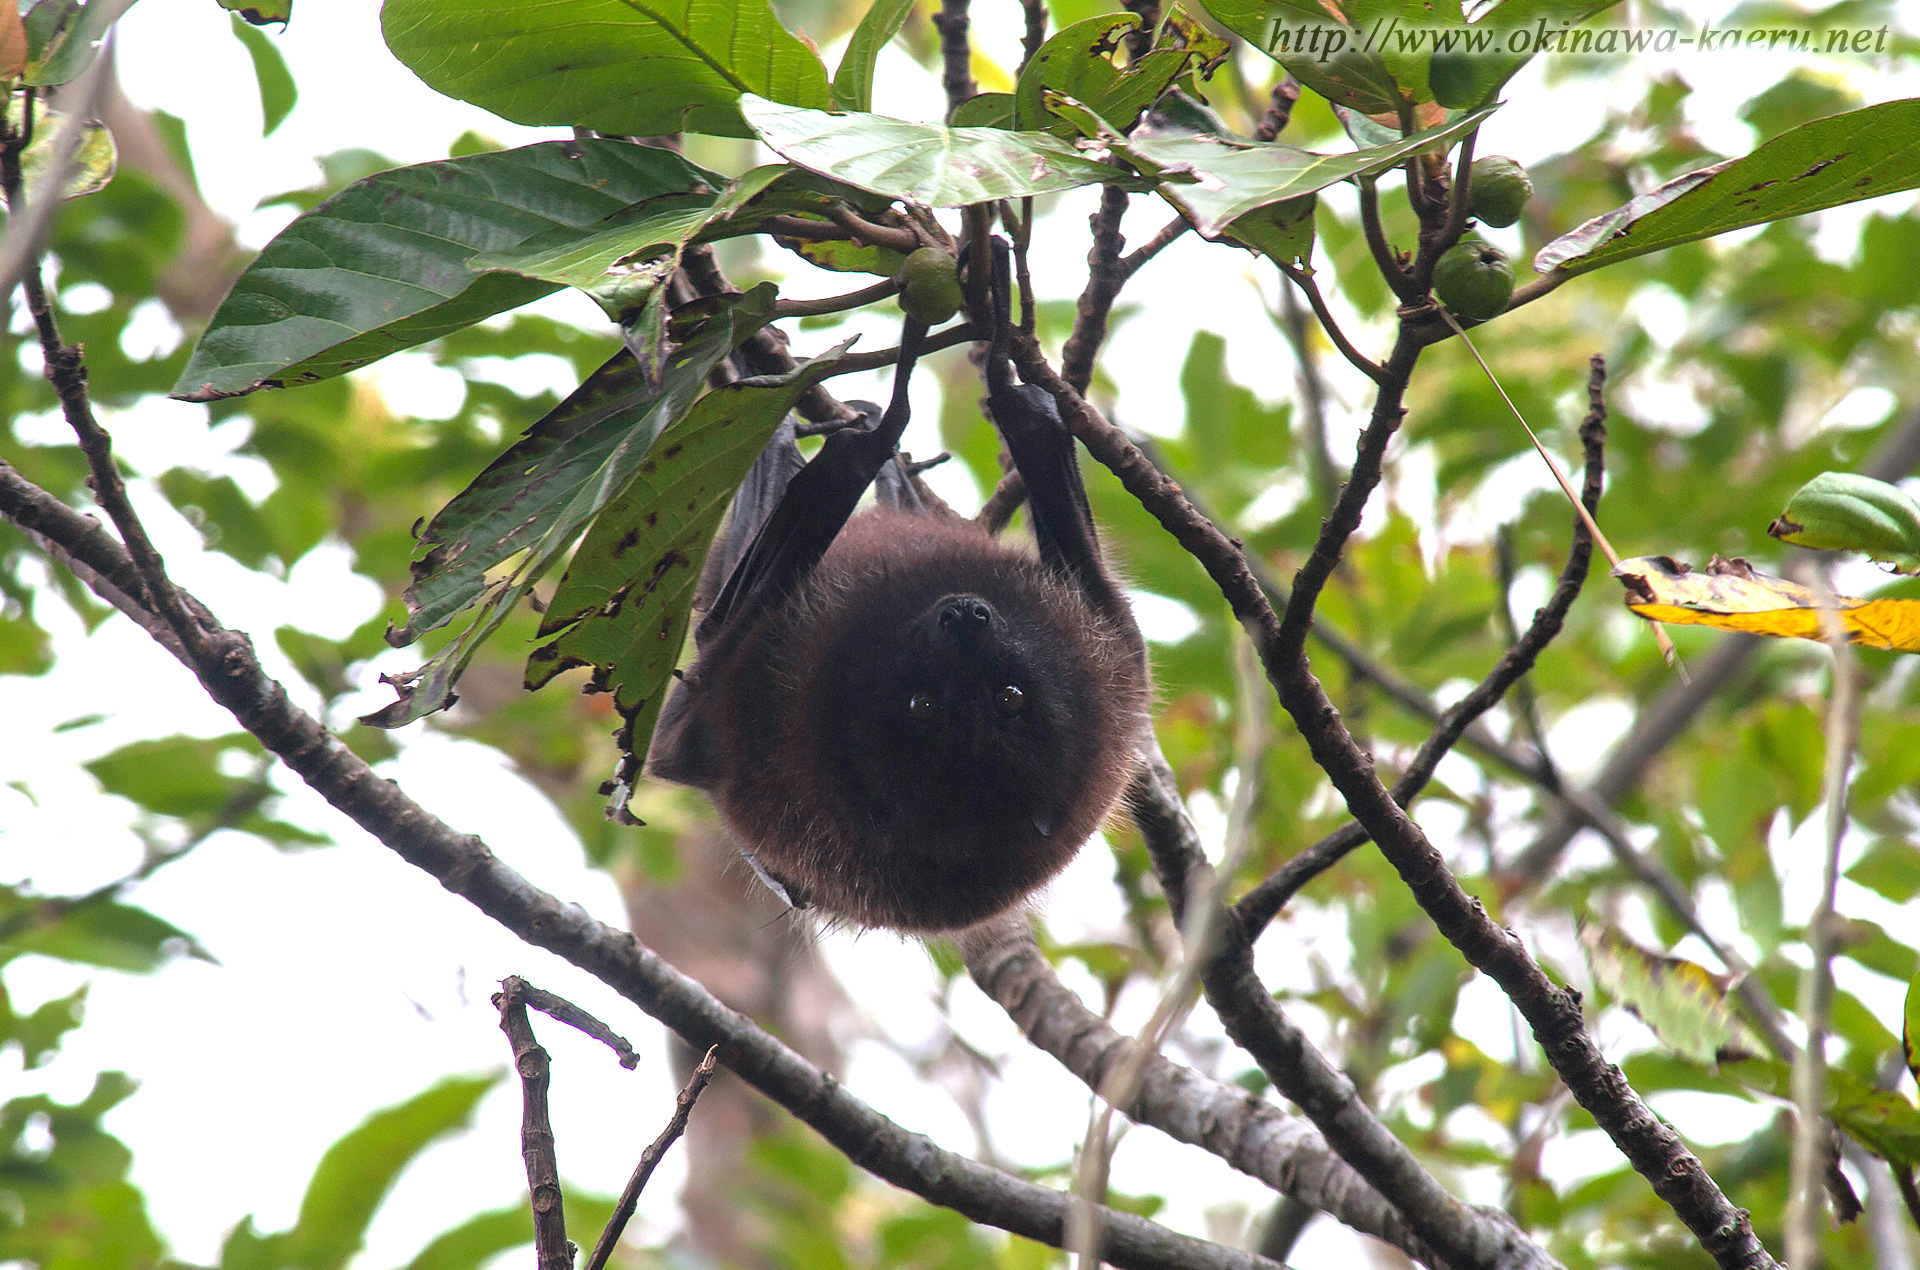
1043	452
813	506
784	517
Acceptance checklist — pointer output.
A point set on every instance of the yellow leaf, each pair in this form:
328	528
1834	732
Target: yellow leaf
1730	595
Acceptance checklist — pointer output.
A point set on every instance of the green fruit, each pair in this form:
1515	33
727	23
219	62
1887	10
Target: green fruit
930	285
1840	511
1473	279
1499	190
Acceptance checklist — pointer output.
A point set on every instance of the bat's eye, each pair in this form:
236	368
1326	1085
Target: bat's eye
1010	700
920	705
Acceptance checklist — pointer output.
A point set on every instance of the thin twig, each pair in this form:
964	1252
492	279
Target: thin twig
1313	395
1033	35
1304	280
880	358
836	303
565	1011
64	369
864	232
1259	905
1003	503
1811	1145
650	1159
1104	280
1281	100
1660	636
552	1251
1385	258
1163	238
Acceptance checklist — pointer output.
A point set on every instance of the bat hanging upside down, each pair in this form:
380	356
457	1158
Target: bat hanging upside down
904	721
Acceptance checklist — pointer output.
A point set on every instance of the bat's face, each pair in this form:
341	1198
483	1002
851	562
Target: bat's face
962	725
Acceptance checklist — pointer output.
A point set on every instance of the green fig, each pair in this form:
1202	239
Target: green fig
930	285
1499	190
1841	511
1473	279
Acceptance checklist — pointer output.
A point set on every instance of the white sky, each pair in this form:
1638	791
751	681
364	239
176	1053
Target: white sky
349	981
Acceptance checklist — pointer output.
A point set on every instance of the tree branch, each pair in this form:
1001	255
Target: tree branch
650	1159
1104	280
1552	1013
956	53
1252	1135
552	1251
231	673
1259	905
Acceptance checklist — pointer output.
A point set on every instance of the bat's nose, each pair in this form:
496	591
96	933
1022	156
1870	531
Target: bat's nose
963	615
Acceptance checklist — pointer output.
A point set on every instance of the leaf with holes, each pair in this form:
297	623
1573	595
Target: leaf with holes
1078	61
1829	162
539	495
622	607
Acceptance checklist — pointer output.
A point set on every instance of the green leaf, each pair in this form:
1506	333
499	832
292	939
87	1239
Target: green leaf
476	1241
63	37
1321	50
381	266
260	12
90	166
38	1034
175	776
853	82
1078	62
540	494
985	110
1910	1028
1890	868
636	68
1880	1120
1216	178
589	445
923	162
1827	163
1843	511
578	258
278	92
1471	63
357	1171
96	931
1684	1003
622	607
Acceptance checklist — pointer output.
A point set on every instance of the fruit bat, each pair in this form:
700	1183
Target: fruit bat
904	721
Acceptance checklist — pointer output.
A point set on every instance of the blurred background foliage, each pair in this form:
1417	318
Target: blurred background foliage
1738	368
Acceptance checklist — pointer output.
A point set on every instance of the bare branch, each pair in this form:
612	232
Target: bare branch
1258	906
1553	1013
1253	1136
229	670
551	1248
956	53
650	1159
1104	280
